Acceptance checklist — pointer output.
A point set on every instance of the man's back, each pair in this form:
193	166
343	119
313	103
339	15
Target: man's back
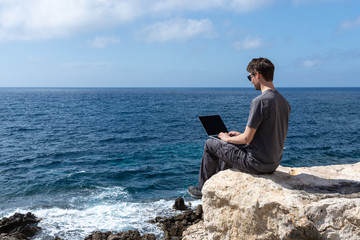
269	114
259	148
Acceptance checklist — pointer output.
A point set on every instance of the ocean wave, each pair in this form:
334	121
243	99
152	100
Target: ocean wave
97	213
109	194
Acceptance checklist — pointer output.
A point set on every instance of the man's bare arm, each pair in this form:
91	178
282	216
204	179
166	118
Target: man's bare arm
240	138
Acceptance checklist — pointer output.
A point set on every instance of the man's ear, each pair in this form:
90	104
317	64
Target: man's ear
259	76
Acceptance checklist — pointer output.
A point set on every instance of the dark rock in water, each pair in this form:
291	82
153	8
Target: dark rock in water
180	204
173	227
98	235
19	226
129	235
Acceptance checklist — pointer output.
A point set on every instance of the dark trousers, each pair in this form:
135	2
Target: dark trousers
218	156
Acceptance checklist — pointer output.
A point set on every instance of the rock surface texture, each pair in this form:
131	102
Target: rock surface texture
292	203
174	226
19	227
129	235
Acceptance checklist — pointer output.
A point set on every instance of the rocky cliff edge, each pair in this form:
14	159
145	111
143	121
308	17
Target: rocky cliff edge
320	202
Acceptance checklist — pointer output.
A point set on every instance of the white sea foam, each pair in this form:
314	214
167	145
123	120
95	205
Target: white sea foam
73	173
79	221
76	224
108	194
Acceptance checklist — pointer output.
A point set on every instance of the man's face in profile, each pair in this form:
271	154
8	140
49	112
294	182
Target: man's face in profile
255	81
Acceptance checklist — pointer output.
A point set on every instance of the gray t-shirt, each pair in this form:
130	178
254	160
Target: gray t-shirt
269	114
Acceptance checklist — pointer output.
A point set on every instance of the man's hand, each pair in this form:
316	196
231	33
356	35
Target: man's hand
224	136
234	133
238	137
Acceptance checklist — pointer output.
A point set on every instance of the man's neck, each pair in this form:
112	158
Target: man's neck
267	86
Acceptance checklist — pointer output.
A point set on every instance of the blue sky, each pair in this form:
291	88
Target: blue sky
177	43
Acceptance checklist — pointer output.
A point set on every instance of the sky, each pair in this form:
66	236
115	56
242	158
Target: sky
177	43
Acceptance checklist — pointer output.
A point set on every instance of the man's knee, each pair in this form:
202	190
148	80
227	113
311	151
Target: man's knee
210	144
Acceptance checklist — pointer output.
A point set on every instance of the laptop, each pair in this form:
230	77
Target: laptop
213	125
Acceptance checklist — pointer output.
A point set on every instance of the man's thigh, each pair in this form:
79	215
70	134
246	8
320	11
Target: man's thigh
234	155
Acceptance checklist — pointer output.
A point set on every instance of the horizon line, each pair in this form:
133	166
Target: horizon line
170	87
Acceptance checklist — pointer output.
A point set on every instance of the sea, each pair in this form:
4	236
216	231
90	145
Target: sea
111	159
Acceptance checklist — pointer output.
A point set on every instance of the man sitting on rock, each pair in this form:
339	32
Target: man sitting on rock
259	149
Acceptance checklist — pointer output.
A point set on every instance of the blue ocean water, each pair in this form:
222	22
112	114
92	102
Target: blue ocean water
112	159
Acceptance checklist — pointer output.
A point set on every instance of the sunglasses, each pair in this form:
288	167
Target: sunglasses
249	77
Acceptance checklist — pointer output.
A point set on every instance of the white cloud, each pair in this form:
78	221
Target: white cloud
248	43
177	30
103	42
199	5
42	19
249	5
177	5
310	63
349	24
333	55
46	19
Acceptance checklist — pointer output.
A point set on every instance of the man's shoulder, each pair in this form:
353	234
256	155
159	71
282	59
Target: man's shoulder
270	98
272	95
265	96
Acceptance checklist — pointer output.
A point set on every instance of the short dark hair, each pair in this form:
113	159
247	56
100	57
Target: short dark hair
263	66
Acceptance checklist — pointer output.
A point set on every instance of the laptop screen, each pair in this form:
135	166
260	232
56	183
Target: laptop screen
213	124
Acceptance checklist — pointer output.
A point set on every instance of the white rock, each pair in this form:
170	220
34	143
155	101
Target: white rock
195	232
292	203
